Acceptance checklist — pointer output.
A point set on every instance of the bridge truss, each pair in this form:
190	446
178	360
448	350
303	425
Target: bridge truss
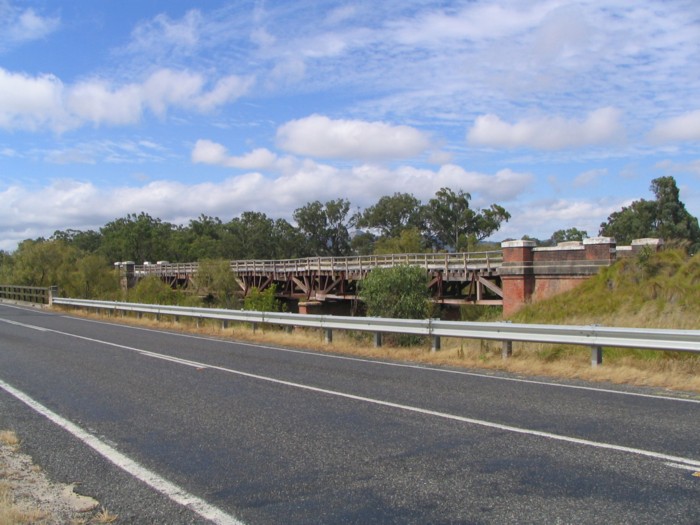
454	278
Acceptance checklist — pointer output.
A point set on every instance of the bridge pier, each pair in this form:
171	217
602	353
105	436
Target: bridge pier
530	274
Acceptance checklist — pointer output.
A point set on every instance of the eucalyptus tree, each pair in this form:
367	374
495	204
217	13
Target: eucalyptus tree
325	227
665	217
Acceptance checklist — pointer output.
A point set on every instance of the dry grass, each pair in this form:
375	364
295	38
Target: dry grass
104	516
9	438
27	496
668	370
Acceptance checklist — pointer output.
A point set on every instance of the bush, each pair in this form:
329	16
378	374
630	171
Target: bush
400	292
264	301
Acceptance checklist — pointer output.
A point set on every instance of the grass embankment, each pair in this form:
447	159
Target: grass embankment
653	290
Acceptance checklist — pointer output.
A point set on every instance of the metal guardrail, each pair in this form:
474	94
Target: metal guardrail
429	261
595	337
27	294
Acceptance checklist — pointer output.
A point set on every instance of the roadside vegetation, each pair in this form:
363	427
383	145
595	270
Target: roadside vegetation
650	290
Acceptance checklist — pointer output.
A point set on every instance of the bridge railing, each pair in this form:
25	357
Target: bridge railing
26	294
594	337
430	261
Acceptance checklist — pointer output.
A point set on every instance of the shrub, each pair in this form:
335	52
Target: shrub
400	292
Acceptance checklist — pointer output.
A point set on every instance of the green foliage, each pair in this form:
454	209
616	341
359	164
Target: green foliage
409	241
152	290
362	243
400	292
665	218
136	238
391	215
452	224
568	235
214	277
325	227
262	301
652	289
93	278
43	263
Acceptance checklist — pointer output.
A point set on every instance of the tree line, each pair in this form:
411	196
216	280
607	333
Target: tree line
399	222
80	261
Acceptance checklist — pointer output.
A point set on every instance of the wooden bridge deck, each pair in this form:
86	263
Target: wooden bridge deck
454	277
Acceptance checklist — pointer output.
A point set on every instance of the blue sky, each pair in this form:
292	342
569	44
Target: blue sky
560	111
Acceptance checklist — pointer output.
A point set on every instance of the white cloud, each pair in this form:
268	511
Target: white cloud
18	26
31	102
602	126
669	166
162	34
106	151
589	177
540	219
208	152
39	211
476	22
685	127
41	102
322	137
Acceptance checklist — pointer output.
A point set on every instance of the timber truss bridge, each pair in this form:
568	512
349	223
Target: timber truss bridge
453	278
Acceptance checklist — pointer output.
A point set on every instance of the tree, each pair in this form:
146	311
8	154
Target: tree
137	238
400	292
214	277
665	218
250	236
452	224
202	238
325	227
87	241
572	234
43	263
393	214
409	241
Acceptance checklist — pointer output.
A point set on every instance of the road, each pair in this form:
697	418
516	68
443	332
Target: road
169	428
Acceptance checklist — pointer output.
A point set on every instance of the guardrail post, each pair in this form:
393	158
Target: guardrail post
329	335
596	355
435	346
53	292
507	349
377	339
224	324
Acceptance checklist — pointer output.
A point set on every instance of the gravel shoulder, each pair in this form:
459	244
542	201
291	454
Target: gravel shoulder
27	495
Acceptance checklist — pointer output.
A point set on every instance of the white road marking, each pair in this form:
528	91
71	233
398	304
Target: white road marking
31	326
444	415
153	480
684	467
398	365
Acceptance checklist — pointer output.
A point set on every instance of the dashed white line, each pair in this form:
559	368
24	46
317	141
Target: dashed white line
404	365
478	422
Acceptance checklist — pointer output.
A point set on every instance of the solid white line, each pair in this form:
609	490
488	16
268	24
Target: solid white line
153	480
453	417
398	365
684	467
31	326
478	422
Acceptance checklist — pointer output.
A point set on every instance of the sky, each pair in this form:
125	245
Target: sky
560	111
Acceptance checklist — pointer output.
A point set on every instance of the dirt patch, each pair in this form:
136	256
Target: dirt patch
27	495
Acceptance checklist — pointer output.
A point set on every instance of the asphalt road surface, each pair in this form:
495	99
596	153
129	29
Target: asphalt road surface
169	428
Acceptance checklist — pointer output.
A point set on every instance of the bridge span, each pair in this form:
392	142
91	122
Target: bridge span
454	278
519	273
